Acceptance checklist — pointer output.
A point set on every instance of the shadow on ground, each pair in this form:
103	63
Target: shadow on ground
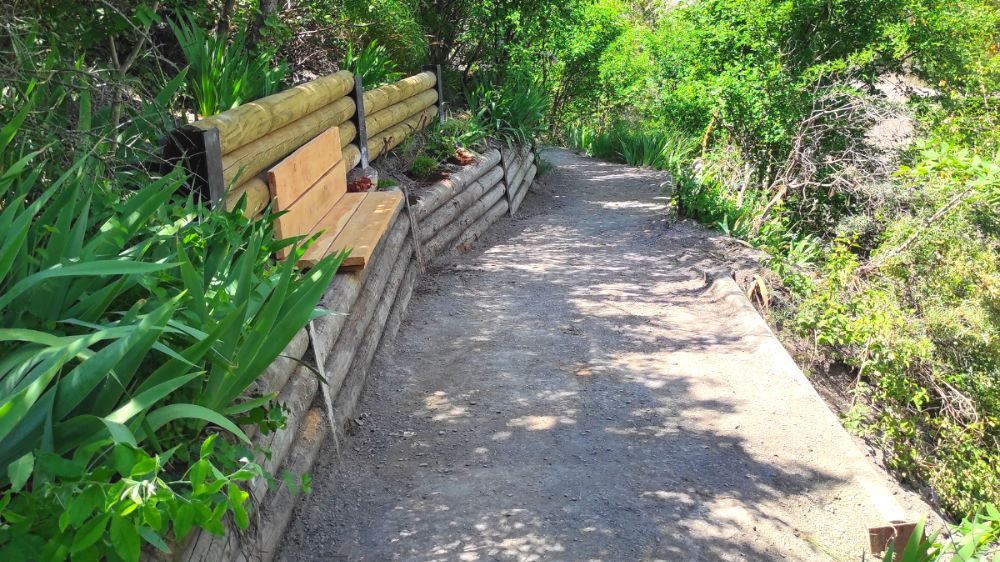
571	391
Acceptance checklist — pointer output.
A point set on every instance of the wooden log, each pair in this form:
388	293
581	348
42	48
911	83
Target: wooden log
279	504
440	192
342	351
445	214
522	170
399	112
444	238
350	391
523	191
263	152
257	194
389	94
296	397
483	223
352	156
398	312
391	137
244	124
513	158
517	166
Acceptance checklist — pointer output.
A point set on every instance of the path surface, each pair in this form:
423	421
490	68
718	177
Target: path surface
573	389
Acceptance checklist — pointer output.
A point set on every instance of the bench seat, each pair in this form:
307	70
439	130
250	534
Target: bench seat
310	188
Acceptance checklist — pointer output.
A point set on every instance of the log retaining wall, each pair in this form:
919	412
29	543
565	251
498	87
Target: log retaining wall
367	308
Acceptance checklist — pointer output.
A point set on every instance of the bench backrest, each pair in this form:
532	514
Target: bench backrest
307	184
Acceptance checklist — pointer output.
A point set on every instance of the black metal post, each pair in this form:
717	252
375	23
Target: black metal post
359	121
436	69
199	151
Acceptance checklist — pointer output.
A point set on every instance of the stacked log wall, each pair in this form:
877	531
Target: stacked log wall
366	309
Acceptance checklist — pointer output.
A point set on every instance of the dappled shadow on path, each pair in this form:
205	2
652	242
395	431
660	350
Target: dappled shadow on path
567	393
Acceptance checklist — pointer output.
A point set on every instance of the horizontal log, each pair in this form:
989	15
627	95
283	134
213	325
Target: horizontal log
440	192
399	307
341	353
525	186
513	158
447	213
398	112
279	504
296	397
444	238
352	156
382	97
350	391
483	223
258	196
391	137
267	150
251	121
512	173
519	176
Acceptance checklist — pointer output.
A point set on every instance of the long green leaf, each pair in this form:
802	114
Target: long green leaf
93	268
162	416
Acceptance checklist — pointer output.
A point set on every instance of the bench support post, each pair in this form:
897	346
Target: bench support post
199	151
436	69
359	120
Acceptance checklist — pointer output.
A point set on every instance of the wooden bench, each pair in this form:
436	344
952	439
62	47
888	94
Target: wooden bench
311	186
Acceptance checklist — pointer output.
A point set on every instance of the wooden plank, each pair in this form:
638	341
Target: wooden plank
294	176
306	215
368	226
337	217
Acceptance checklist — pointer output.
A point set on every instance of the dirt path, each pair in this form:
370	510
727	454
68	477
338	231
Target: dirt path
573	389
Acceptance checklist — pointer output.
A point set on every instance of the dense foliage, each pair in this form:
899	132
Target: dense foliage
856	143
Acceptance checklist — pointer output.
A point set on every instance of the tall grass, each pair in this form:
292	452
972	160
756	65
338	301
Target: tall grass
222	72
514	112
373	64
662	150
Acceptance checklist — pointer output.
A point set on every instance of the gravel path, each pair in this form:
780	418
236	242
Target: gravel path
574	389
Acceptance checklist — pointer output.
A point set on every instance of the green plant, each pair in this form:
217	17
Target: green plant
976	541
372	64
132	324
454	133
514	112
222	72
422	166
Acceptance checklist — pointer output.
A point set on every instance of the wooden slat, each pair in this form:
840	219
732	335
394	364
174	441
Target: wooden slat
291	178
305	215
367	226
331	224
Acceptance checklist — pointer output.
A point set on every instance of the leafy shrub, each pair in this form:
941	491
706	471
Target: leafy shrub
514	112
133	323
372	64
454	133
222	72
976	541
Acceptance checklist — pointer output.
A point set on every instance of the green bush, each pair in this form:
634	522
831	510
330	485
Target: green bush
133	322
513	112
